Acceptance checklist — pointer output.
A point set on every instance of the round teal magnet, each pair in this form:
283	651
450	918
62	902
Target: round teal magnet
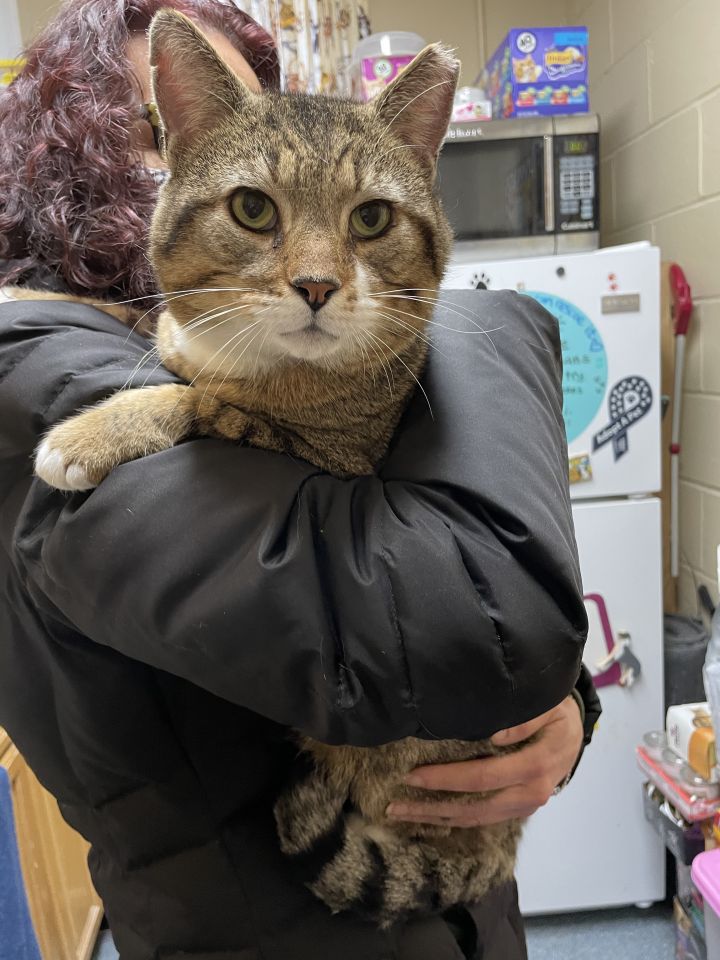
585	366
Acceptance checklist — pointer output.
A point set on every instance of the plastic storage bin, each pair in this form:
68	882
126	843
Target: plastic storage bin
706	877
379	58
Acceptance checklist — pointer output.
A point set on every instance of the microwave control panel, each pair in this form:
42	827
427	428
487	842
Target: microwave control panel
576	183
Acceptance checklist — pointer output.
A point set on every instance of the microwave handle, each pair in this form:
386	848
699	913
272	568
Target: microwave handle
549	177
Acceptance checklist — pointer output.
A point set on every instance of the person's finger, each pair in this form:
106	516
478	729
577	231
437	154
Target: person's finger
555	751
507	805
505	738
489	773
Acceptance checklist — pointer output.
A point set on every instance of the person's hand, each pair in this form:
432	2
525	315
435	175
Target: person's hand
524	780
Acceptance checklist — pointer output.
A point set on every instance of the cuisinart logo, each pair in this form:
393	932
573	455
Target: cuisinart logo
463	133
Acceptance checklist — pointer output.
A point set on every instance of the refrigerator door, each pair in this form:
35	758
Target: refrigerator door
591	845
608	307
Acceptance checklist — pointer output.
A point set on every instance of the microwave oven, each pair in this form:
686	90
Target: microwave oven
525	187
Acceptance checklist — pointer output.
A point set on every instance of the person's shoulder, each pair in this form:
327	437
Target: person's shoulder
44	311
509	305
510	321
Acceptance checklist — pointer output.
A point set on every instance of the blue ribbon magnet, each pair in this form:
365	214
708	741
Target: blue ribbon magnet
629	400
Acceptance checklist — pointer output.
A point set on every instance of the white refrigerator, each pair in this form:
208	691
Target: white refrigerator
591	847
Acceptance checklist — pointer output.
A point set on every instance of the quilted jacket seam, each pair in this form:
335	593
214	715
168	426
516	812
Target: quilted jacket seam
395	620
18	361
222	845
68	378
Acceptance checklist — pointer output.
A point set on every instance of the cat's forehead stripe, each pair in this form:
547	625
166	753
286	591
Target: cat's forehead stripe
184	219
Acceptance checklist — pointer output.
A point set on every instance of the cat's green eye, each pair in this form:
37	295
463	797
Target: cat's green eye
254	210
370	220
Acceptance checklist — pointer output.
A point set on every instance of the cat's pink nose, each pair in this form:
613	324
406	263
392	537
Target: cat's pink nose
315	293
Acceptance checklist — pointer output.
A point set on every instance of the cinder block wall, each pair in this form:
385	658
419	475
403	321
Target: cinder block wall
656	86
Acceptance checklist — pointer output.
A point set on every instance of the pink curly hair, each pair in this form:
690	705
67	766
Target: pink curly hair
75	205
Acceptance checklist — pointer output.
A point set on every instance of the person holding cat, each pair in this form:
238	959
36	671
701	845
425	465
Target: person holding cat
161	634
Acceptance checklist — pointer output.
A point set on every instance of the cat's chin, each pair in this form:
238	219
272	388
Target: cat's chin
311	344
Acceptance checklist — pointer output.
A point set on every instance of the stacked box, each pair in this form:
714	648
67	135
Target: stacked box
539	72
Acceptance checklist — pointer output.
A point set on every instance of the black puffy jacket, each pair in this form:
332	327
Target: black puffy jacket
159	634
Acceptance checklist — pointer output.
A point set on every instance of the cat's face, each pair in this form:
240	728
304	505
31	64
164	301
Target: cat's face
300	214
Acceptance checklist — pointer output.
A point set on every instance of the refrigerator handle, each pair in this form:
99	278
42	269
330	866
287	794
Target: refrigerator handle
549	183
630	666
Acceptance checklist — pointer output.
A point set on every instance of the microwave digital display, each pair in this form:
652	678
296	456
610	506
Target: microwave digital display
575	147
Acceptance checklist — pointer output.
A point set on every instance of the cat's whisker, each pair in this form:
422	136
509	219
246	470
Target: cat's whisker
139	320
401	146
259	351
138	366
370	364
434	86
422	389
410	328
174	407
435	301
430	342
238	335
234	311
387	369
382	293
171	295
238	359
222	349
232	307
464	312
436	323
406	328
364	354
155	350
235	339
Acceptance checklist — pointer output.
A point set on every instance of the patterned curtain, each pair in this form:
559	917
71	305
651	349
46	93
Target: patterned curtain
9	69
315	40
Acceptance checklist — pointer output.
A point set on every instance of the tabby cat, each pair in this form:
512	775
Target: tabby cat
299	225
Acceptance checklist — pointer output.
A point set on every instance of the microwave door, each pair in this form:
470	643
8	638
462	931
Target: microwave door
499	190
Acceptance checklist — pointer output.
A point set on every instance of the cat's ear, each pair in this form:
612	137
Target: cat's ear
193	89
418	104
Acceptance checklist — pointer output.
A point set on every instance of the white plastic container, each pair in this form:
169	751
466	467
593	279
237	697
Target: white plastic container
471	105
379	58
706	877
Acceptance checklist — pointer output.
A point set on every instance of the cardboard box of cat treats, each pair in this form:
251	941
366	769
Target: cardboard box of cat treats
539	72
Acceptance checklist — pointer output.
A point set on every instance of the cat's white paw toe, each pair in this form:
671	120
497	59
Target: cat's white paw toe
50	466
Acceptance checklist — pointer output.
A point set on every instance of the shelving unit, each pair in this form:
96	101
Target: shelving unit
65	909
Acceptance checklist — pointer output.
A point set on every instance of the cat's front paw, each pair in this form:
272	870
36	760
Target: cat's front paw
75	455
52	467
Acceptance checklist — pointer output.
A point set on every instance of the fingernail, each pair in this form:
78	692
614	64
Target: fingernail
396	810
414	780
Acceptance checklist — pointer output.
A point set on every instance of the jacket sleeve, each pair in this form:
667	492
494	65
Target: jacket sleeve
440	598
